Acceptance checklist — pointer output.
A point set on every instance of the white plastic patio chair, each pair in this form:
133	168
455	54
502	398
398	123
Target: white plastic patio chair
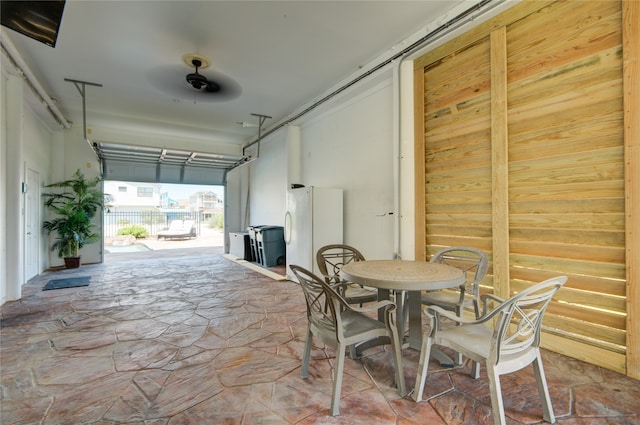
506	339
336	323
331	259
475	264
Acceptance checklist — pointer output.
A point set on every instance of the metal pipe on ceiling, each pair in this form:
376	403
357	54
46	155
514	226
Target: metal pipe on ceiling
444	29
10	51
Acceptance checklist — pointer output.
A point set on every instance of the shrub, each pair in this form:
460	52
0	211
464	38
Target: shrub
216	221
134	230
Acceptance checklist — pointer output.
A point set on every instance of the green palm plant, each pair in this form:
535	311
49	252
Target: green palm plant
74	208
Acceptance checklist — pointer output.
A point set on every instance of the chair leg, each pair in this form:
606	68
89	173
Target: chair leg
353	351
397	356
496	396
423	366
543	390
337	380
457	359
306	355
475	369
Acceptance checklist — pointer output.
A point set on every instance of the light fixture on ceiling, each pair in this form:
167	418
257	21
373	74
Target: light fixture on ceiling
245	124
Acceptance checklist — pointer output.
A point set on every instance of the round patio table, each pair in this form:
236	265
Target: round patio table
405	276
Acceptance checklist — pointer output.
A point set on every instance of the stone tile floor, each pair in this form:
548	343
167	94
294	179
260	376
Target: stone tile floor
188	337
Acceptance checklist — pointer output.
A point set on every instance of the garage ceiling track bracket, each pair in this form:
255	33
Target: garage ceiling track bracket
82	89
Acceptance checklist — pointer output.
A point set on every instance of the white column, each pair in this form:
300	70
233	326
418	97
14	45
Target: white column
13	194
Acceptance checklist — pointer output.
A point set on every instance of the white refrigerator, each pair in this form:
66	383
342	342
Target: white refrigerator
313	219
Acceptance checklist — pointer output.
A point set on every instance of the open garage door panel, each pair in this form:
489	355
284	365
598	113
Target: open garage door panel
160	165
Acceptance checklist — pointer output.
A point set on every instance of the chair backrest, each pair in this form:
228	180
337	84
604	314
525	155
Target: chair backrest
519	319
472	261
175	225
322	302
331	259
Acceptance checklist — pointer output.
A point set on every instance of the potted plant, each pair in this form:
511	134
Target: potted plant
74	206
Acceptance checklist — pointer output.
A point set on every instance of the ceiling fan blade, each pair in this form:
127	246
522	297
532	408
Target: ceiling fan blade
212	87
170	79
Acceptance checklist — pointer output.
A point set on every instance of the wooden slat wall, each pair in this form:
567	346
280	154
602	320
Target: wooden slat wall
631	73
524	158
566	144
457	113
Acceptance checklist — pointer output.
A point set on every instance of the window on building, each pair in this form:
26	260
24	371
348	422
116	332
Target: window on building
122	188
145	192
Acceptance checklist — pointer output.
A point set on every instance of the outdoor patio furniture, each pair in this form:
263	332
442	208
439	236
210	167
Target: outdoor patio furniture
179	229
337	324
506	339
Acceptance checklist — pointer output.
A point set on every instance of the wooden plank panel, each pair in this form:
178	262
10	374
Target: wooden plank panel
601	132
557	127
475	220
583	190
604	357
599	68
575	107
452	240
575	206
580	221
461	230
568	250
466	125
595	302
418	158
453	85
578	312
586	26
481	31
569	237
468	208
460	164
592	165
587	330
631	70
603	309
442	185
472	197
500	163
597	284
561	266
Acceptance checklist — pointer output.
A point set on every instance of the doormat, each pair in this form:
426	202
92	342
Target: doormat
69	282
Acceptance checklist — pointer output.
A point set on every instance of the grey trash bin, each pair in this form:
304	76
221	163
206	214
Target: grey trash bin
271	248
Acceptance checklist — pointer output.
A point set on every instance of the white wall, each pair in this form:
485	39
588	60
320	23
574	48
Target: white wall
3	185
350	146
26	143
347	143
37	157
268	182
71	153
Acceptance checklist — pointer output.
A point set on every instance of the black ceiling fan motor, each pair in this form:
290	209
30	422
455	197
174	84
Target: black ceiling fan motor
196	80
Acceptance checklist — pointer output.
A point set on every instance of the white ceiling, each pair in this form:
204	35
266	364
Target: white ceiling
282	54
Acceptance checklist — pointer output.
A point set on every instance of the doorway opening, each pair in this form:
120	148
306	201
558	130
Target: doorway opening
143	217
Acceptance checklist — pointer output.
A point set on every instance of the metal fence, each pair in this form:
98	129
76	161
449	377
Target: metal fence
152	221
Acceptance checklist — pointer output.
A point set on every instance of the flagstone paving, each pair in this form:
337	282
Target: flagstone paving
179	337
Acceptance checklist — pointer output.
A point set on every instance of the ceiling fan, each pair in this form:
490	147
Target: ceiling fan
212	86
197	80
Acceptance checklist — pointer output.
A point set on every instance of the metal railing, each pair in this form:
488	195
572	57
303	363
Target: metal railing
152	221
